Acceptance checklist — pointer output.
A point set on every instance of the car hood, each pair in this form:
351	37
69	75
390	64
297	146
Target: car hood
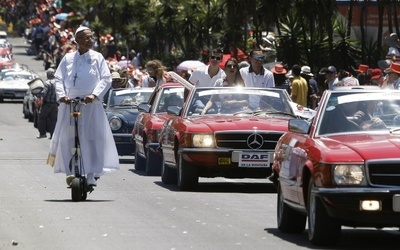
362	146
218	123
129	114
21	84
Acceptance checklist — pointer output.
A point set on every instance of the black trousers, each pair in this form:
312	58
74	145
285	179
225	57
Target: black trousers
47	118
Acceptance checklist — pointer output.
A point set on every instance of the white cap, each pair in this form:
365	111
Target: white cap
81	28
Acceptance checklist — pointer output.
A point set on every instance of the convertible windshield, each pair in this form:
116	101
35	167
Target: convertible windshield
235	101
129	97
351	112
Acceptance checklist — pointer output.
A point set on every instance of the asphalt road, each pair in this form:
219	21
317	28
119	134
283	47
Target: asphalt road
129	210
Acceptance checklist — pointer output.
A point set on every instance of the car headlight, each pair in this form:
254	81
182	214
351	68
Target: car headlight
203	141
115	123
349	175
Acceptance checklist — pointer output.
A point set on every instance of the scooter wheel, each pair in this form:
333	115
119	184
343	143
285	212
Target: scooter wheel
84	189
77	189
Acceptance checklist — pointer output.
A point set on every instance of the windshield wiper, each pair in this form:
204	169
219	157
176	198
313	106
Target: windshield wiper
258	112
393	130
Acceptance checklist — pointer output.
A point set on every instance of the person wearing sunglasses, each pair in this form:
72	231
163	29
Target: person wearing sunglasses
232	79
206	76
256	75
156	74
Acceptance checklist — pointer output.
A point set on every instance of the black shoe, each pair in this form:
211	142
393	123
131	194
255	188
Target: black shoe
41	136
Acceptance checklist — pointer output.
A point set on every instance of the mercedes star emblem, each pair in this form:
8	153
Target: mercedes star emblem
255	141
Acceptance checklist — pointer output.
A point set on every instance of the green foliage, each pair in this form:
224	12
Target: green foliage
307	31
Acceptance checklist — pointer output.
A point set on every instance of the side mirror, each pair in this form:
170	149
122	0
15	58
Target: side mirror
174	110
299	126
144	107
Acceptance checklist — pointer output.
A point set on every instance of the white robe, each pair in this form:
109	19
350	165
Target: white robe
99	153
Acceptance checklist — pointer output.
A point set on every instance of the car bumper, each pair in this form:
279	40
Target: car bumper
124	144
13	94
345	204
215	162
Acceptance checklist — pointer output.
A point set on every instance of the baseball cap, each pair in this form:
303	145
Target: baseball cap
331	69
376	73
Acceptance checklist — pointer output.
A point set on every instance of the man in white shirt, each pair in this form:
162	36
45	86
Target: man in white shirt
256	75
206	76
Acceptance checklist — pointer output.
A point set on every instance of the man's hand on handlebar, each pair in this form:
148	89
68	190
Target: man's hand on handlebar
89	98
65	99
86	99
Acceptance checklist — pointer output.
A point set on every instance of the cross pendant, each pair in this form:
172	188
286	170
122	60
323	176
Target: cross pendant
75	76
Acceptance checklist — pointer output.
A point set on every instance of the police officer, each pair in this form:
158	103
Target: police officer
49	109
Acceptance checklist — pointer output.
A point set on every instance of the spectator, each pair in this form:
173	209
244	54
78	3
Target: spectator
49	108
393	73
268	47
156	74
299	87
256	75
363	75
280	77
393	42
312	94
135	59
331	77
346	79
237	53
377	78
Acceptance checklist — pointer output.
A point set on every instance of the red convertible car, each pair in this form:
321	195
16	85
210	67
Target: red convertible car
148	124
234	136
341	168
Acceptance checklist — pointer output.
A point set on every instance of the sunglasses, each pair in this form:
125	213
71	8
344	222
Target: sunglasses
259	57
215	57
116	80
232	66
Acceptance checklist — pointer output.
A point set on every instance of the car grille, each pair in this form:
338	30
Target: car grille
238	140
384	173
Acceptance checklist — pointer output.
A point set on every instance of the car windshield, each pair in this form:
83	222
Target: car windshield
368	111
239	101
170	97
16	75
128	97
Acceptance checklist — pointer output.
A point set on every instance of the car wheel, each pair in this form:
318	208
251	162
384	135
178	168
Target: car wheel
1	99
153	163
322	229
168	174
140	162
289	220
188	177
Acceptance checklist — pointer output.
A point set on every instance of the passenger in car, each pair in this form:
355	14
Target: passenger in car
335	121
232	78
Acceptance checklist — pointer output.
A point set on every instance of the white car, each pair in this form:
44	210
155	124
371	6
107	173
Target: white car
14	84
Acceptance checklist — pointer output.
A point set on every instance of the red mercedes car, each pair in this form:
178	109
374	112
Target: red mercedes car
223	132
148	123
342	167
